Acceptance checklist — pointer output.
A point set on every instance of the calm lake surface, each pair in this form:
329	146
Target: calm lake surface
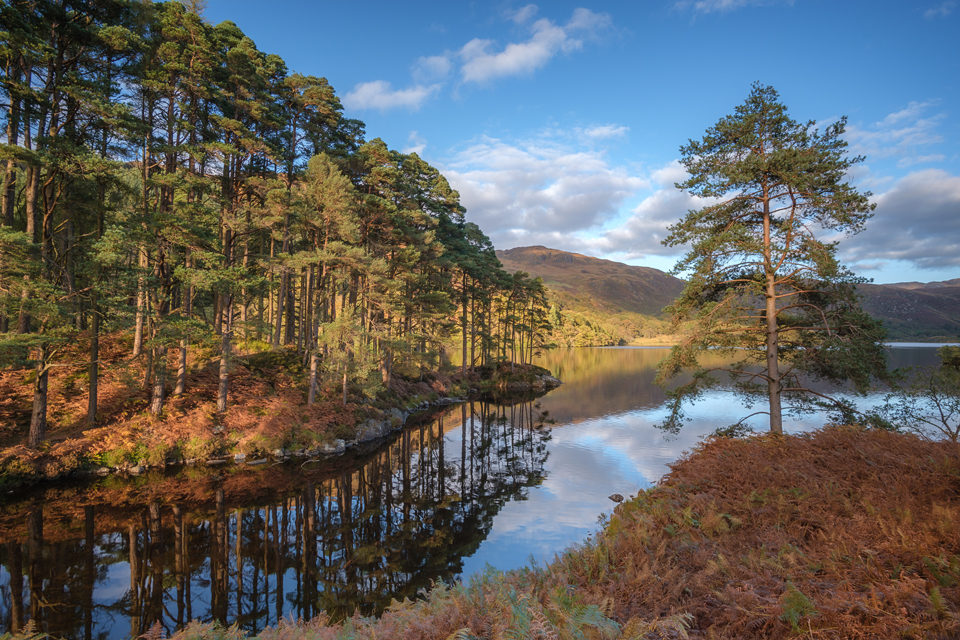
468	486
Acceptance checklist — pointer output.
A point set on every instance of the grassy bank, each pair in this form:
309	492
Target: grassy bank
843	533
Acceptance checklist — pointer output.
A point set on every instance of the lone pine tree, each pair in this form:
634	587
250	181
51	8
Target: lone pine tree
765	288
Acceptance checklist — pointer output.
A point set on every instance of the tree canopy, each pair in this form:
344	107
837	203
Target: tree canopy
764	284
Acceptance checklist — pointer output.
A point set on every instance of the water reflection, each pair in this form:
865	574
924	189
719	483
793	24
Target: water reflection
249	547
613	381
606	441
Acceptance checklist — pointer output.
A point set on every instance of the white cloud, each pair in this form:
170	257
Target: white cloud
911	112
605	131
900	133
379	94
523	15
481	63
589	23
917	220
431	68
417	144
670	174
941	10
906	162
641	235
715	6
538	192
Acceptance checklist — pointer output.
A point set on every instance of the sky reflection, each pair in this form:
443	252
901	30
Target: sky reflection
605	440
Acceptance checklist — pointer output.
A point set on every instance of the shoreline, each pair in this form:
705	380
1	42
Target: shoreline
101	452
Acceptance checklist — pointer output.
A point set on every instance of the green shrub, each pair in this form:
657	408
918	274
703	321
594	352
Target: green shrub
201	448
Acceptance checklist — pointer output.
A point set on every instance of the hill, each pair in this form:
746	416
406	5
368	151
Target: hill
608	286
916	311
625	302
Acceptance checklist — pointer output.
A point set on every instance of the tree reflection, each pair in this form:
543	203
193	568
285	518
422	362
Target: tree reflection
348	538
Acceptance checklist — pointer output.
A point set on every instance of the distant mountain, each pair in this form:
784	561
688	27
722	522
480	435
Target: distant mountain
916	310
610	287
911	311
945	284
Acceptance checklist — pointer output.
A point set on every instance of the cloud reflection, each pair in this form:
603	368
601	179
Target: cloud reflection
606	441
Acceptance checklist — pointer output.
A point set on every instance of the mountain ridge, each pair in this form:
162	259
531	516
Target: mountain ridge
611	286
911	311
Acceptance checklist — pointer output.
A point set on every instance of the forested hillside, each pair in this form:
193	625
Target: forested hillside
164	177
597	302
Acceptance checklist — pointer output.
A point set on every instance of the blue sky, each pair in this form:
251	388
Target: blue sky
560	123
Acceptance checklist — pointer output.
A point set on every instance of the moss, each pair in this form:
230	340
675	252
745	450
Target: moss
266	363
202	448
17	473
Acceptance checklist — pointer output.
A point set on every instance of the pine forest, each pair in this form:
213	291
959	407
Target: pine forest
165	177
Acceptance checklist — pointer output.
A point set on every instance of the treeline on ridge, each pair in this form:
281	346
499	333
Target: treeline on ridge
165	176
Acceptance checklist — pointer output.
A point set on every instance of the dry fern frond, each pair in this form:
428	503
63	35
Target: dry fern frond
670	628
155	632
541	627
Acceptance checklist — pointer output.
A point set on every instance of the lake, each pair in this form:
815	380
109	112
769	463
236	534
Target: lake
475	484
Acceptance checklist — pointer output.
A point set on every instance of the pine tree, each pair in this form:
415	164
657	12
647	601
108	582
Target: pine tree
764	287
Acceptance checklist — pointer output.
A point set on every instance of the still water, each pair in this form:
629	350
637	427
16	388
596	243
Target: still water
477	484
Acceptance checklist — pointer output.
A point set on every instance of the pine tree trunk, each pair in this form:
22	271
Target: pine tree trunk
225	355
290	313
9	193
92	389
181	369
30	198
306	291
184	344
38	419
278	319
463	328
473	333
312	394
9	190
30	201
142	262
159	380
773	364
218	313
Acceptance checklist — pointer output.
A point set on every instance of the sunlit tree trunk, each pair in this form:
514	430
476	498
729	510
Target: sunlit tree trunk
38	418
225	346
773	365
